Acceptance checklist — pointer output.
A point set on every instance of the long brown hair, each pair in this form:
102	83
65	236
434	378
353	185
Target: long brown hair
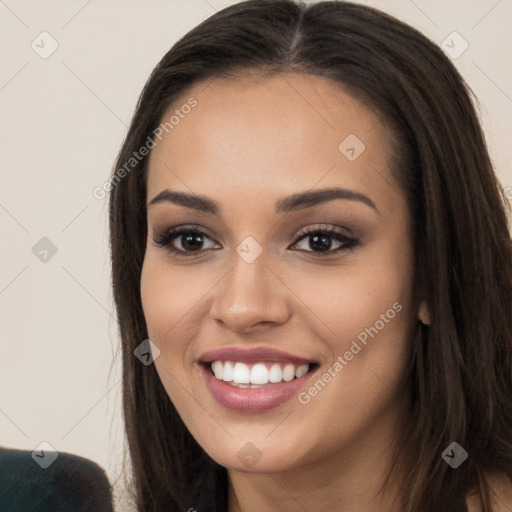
461	365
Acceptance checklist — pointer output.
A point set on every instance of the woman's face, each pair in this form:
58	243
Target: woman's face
261	290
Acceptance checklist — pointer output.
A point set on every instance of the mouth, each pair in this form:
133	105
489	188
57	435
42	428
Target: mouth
253	380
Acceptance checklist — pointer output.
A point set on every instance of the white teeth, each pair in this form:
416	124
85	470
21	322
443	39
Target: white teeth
227	372
275	374
301	370
289	372
217	369
242	375
259	374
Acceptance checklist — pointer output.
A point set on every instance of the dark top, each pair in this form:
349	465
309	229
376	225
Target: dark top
68	483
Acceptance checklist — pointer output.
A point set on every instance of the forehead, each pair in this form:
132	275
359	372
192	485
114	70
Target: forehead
258	133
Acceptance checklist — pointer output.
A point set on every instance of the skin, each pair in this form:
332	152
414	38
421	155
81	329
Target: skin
250	142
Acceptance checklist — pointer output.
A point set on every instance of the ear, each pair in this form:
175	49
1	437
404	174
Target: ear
423	313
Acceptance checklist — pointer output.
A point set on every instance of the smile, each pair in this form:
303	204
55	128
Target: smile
256	379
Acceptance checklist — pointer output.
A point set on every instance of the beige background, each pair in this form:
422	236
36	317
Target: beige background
63	119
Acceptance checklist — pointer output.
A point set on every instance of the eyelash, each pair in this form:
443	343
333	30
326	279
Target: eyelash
166	238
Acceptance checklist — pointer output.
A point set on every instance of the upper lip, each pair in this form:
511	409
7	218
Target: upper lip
252	355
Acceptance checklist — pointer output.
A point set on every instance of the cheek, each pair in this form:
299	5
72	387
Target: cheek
167	297
371	324
165	303
156	294
346	300
173	299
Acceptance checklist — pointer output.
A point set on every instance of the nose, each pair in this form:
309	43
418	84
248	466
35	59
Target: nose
250	297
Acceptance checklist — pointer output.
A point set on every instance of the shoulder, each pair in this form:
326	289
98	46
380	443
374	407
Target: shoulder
500	491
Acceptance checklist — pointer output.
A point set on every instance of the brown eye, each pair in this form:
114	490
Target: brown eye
321	240
190	239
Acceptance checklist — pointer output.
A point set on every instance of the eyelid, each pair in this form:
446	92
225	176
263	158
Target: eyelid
326	228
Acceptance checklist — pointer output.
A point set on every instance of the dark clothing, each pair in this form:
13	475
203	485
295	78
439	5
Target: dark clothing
69	484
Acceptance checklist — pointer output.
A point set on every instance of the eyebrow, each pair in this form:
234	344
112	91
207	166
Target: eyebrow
294	202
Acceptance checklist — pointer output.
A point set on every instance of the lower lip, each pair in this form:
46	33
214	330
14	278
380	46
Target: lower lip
253	399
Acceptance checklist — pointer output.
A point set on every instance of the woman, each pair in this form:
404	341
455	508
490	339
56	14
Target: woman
306	224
